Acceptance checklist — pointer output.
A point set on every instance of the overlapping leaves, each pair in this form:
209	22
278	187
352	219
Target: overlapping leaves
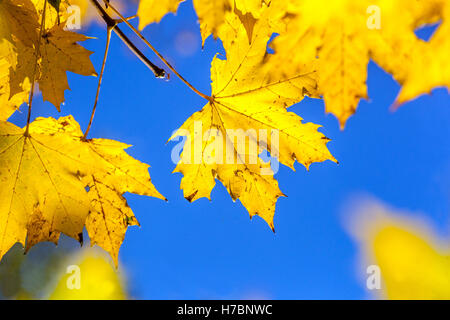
342	36
211	13
25	57
53	180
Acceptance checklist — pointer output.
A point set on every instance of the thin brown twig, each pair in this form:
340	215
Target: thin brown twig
139	34
110	22
108	40
37	54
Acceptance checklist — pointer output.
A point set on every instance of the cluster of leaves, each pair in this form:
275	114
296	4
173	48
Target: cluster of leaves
54	180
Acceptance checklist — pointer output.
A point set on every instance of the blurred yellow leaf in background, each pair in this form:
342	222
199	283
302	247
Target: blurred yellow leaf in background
414	262
61	273
411	266
98	280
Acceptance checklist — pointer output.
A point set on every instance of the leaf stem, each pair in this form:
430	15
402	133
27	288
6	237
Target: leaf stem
37	54
111	23
139	34
108	40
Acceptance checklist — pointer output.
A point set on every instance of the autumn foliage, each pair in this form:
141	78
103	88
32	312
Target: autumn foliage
56	179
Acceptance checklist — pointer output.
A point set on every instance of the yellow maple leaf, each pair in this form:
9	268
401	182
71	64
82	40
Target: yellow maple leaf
428	63
18	23
59	53
245	115
18	32
211	13
343	36
44	175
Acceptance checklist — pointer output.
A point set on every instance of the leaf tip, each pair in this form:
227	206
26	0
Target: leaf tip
272	227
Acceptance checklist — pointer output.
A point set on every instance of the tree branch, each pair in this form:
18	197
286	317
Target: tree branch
112	23
139	34
108	40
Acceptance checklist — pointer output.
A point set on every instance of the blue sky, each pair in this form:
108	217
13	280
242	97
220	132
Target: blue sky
211	250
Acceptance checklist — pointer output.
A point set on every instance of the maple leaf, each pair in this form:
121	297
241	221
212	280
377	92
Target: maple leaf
344	49
18	29
211	13
59	53
18	23
44	175
244	100
428	61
